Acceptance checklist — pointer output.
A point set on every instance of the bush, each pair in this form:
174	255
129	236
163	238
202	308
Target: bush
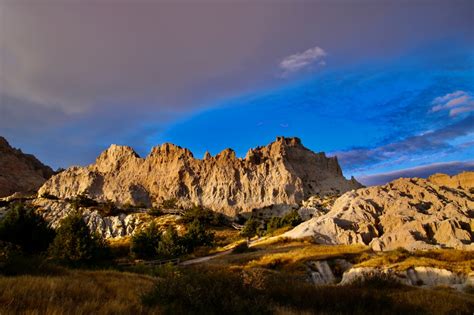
74	242
250	228
23	227
290	219
170	245
241	248
107	208
145	242
83	200
49	196
152	243
156	212
196	235
205	216
169	204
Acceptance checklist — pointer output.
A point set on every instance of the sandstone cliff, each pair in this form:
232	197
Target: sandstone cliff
412	213
20	172
284	172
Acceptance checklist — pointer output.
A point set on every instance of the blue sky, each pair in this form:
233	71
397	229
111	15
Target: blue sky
358	113
387	86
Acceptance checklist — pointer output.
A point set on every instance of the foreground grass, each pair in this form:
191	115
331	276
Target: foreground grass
75	292
219	290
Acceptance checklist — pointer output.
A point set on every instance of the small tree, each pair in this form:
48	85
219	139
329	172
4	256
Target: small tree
145	242
74	242
171	244
292	218
250	228
197	235
23	227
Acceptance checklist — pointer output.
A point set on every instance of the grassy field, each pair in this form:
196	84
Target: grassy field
268	278
75	292
211	290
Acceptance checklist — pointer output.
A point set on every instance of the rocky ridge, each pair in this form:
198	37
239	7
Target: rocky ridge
413	213
281	173
20	172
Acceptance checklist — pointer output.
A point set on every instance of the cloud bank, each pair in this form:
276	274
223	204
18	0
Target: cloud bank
458	102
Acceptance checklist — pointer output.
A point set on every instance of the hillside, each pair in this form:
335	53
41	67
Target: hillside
20	172
412	213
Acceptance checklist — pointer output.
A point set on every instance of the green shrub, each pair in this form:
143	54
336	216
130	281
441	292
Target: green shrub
23	227
49	196
290	219
145	242
107	208
241	248
196	235
151	243
156	212
83	200
170	245
204	215
74	242
169	204
250	228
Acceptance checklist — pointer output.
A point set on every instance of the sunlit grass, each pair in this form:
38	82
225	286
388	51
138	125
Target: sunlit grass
450	259
74	292
296	256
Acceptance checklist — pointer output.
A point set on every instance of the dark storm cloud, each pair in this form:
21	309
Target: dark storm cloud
64	65
450	168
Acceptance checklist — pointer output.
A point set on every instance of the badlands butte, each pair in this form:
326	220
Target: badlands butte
414	213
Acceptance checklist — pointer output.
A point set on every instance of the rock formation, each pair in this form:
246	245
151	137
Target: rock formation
20	172
411	213
282	173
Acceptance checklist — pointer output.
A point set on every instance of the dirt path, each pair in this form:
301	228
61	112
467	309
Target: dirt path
205	258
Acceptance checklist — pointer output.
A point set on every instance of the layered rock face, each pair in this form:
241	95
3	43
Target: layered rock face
20	172
411	213
284	172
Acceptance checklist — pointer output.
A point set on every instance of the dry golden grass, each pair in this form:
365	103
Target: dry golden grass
224	236
75	292
287	255
296	256
450	259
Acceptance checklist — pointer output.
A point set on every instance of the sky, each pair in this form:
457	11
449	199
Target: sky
386	86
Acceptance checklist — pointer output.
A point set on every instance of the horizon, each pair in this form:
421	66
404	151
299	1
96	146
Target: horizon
386	87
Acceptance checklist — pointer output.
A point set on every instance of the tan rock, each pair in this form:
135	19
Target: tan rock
282	173
411	213
20	172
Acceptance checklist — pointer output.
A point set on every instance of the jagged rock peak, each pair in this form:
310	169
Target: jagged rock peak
170	150
4	143
20	172
207	156
226	154
283	172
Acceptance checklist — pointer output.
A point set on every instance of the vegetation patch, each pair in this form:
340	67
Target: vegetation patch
401	259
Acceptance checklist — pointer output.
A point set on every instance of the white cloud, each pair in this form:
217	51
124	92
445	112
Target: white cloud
299	61
457	102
